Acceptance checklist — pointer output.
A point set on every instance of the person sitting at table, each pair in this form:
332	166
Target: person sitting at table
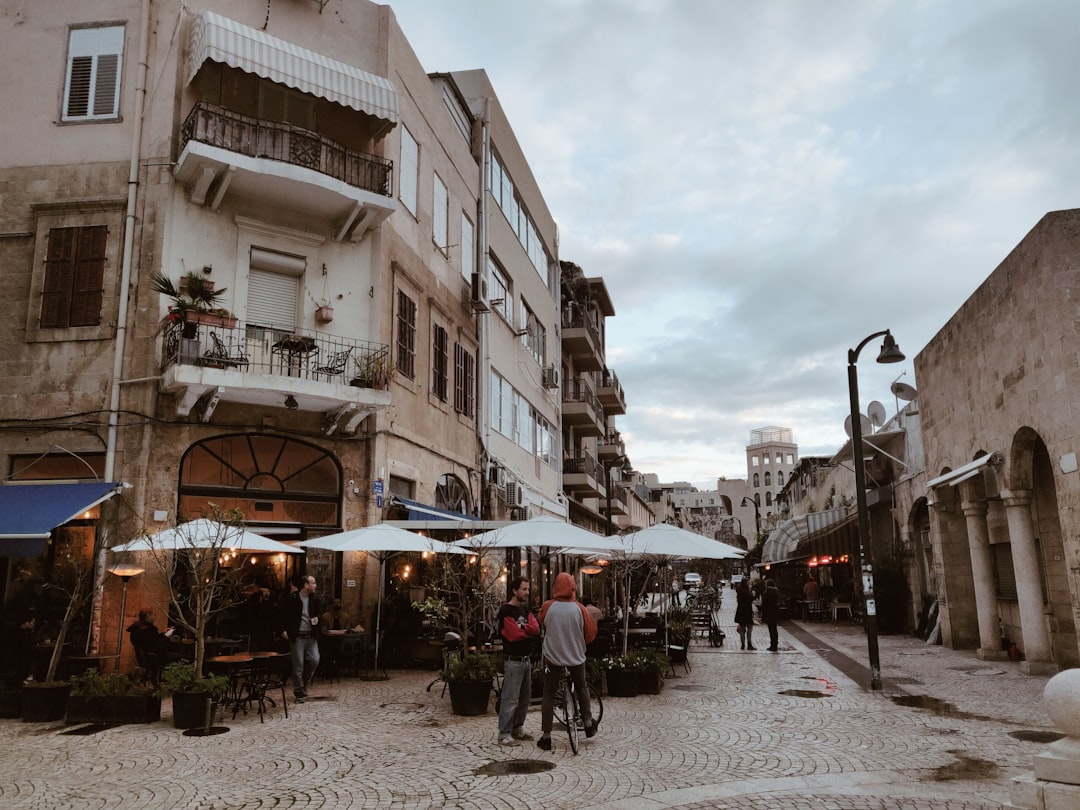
337	619
811	590
151	646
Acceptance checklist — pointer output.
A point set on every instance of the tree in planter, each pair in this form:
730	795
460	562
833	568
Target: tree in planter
469	587
189	561
195	293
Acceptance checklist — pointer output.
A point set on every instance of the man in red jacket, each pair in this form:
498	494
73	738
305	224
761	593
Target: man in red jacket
518	627
568	627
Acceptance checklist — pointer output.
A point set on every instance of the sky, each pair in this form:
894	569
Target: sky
763	184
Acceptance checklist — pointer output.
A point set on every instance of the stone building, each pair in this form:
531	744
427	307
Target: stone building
999	390
385	265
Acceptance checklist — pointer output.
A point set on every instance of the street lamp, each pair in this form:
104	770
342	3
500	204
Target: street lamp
125	571
626	468
757	516
890	353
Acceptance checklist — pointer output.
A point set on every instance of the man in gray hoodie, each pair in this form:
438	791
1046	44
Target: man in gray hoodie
567	627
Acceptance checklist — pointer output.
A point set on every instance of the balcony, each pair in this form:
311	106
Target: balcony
224	152
610	447
582	410
618	500
579	474
610	393
581	340
205	364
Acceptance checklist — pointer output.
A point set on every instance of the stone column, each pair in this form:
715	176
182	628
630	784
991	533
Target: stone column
1039	659
982	572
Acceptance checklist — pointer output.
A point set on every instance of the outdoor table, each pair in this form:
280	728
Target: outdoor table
294	351
233	667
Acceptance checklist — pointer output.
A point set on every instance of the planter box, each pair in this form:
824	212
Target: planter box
622	682
209	318
469	698
189	709
44	704
113	709
650	683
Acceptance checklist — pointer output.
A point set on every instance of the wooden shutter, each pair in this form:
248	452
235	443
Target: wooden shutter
74	277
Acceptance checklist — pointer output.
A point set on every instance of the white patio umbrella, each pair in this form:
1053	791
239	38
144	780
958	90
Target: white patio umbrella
382	542
205	533
544	531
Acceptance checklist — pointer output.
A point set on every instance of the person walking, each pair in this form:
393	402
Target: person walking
300	619
770	613
518	627
744	614
568	627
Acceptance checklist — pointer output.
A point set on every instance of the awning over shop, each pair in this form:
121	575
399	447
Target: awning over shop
220	39
965	472
784	542
421	511
29	512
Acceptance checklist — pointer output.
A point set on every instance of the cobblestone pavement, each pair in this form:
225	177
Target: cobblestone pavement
742	730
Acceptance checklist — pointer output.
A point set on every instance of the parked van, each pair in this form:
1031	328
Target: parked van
691	581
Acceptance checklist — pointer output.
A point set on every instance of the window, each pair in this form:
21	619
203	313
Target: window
768	478
790	458
545	439
780	478
502	189
468	251
499	291
440	217
464	381
1004	577
757	480
440	354
410	169
92	89
535	337
768	499
754	461
74	277
406	336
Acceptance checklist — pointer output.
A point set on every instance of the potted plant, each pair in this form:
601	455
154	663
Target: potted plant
112	698
195	301
373	370
621	674
193	695
470	680
651	666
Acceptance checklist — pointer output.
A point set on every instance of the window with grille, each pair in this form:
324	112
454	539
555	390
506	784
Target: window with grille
464	381
440	354
92	88
74	277
406	336
1005	575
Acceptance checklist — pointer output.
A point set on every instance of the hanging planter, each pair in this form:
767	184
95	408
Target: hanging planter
324	314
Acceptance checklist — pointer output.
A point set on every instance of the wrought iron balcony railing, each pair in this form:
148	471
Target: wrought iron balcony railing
214	342
254	137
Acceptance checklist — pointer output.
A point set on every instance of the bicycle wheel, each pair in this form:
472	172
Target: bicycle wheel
597	703
560	703
573	717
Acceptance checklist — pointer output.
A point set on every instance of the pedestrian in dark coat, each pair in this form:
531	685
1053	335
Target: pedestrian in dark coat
744	614
770	613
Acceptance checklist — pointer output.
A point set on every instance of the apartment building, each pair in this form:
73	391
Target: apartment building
387	318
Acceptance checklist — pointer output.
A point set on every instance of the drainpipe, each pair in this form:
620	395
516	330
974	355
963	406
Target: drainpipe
483	416
129	241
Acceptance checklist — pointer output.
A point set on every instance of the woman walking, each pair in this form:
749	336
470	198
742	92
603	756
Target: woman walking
744	614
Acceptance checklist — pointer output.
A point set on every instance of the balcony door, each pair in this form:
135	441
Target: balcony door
273	300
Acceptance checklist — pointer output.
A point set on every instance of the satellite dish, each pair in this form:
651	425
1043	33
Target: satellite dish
864	425
876	411
903	391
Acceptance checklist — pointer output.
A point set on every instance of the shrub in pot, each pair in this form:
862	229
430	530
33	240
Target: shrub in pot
191	693
621	674
469	680
652	665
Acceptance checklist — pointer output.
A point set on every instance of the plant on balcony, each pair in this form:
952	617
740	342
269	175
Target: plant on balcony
373	370
194	301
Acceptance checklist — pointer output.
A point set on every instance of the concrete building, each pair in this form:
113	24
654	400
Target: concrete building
771	457
384	257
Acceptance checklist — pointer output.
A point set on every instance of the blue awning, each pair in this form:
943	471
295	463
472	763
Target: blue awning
29	512
421	511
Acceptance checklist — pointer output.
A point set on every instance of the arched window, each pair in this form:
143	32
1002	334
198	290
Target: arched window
757	480
269	479
451	493
768	479
779	478
768	499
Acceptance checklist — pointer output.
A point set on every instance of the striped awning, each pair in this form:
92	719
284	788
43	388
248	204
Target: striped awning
220	39
783	543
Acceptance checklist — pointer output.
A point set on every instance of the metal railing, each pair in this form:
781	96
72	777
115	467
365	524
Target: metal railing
579	391
578	319
255	137
580	462
261	350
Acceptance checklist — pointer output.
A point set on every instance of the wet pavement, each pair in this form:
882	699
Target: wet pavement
793	729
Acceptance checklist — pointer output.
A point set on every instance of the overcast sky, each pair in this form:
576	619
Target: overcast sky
763	184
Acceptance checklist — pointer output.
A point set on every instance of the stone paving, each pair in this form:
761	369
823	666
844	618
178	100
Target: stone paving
743	730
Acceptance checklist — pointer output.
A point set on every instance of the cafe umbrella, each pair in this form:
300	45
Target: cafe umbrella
382	542
205	533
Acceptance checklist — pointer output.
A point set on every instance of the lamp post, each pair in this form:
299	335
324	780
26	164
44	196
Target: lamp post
757	516
125	571
890	353
625	462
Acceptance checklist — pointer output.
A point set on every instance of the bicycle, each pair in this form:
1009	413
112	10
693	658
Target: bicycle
568	712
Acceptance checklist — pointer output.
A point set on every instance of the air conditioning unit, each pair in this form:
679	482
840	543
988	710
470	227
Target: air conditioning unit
520	513
478	294
497	475
551	377
515	493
